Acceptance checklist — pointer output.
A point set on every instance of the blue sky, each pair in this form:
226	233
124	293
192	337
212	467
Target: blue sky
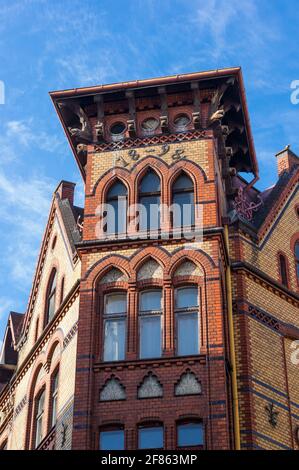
49	45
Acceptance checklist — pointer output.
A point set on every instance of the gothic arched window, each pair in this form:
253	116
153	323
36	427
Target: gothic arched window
183	201
297	259
51	297
283	270
116	208
149	200
115	313
150	315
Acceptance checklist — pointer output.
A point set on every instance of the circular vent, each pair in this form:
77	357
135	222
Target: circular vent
150	124
181	120
117	128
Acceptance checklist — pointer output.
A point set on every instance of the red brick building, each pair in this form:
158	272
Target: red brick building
162	328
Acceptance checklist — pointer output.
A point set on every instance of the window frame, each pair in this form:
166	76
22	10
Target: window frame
150	314
185	422
111	428
106	317
112	199
282	257
181	312
150	425
50	294
54	397
181	191
39	417
296	258
149	194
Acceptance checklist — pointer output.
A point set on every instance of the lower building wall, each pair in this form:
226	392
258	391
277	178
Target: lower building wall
58	351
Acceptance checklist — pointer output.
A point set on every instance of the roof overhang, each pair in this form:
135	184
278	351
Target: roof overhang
147	87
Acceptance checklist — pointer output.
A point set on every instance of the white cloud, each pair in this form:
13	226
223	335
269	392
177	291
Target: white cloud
5	306
23	131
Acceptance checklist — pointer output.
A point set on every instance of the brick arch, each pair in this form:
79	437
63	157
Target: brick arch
144	254
153	163
34	374
57	339
294	239
108	177
98	269
195	172
198	257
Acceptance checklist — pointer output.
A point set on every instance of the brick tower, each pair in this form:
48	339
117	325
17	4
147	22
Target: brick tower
165	313
153	359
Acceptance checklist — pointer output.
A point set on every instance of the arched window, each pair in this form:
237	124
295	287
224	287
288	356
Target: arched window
54	397
183	201
115	313
116	209
149	200
62	290
187	320
39	417
150	315
283	270
51	297
297	259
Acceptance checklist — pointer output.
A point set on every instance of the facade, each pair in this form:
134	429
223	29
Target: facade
160	328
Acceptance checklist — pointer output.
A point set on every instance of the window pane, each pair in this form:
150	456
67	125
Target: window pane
40	405
117	215
51	307
117	189
190	434
114	344
150	183
116	303
186	297
112	440
187	334
183	182
151	300
151	438
150	337
39	430
149	213
297	251
183	209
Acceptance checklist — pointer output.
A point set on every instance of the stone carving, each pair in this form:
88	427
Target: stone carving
150	387
77	121
188	268
188	385
113	390
150	270
113	275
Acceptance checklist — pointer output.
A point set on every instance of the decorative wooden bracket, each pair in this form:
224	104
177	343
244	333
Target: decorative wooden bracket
131	123
164	110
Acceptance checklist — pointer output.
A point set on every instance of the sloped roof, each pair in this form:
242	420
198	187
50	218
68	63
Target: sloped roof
271	195
70	215
16	322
